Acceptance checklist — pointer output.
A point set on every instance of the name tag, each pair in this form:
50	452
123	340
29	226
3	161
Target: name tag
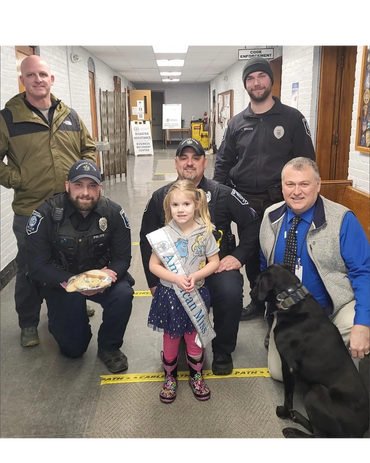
299	271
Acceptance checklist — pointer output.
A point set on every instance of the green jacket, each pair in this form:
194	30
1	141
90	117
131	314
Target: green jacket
39	155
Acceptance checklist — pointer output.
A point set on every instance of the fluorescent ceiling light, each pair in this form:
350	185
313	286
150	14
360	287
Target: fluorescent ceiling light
170	48
170	62
170	80
170	73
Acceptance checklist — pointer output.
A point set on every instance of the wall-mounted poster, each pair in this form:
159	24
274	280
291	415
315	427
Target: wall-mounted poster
171	116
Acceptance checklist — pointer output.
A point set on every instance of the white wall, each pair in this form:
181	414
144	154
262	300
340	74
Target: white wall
359	167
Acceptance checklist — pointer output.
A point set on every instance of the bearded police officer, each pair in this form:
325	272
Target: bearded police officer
256	145
71	233
226	284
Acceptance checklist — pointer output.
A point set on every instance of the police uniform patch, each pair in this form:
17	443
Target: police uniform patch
208	196
33	223
279	131
103	224
306	127
125	219
239	197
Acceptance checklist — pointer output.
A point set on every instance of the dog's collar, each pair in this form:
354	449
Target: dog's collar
291	296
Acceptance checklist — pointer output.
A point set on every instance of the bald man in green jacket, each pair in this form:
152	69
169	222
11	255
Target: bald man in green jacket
41	138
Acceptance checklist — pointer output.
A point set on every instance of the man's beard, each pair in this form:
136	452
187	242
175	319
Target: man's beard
82	206
189	174
260	99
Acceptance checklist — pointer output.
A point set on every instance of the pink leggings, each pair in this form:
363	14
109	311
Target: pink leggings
171	346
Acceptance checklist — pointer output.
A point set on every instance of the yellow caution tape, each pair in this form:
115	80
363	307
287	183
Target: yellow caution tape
182	376
142	293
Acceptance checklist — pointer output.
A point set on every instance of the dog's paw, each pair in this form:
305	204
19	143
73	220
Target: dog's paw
290	432
282	412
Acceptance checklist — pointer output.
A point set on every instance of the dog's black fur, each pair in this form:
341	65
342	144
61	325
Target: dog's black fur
312	349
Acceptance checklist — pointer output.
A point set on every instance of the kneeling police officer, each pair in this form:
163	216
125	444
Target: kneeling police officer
71	233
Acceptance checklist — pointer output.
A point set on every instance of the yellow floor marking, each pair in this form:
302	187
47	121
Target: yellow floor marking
165	173
142	293
135	243
182	376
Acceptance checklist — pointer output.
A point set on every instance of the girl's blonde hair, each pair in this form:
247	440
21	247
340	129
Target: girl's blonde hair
194	194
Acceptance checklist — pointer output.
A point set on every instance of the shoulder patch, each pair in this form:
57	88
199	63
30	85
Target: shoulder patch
125	219
306	127
239	197
33	223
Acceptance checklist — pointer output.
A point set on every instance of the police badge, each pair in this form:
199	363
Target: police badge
103	224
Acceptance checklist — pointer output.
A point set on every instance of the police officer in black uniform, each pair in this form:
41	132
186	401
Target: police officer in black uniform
257	143
71	233
226	284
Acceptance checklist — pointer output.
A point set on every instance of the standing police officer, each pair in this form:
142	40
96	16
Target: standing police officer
226	284
71	233
256	145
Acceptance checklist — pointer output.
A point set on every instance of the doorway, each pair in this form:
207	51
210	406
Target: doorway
334	116
157	116
22	52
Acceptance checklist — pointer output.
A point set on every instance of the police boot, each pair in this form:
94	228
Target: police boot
169	388
200	389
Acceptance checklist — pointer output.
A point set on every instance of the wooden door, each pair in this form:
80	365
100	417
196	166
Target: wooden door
337	80
276	65
94	121
22	52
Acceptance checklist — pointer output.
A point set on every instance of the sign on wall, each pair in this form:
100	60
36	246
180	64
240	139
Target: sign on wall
171	116
248	53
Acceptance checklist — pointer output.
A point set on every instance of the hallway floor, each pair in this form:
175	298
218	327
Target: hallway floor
46	395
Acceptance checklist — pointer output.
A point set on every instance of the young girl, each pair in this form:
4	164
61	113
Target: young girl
188	224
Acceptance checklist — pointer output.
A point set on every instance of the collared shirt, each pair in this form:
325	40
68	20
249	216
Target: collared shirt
355	254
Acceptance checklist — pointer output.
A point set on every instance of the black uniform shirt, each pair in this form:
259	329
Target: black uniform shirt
256	147
225	206
39	237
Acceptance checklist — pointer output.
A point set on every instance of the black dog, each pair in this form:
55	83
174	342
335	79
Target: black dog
312	349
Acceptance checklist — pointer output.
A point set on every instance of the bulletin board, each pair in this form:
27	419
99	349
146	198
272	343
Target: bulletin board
363	112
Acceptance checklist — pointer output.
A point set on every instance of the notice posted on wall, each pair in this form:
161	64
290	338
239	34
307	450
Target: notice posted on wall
171	116
141	136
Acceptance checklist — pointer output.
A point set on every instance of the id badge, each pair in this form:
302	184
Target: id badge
299	271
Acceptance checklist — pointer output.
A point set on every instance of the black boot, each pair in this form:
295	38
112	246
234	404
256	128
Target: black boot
169	387
252	310
200	389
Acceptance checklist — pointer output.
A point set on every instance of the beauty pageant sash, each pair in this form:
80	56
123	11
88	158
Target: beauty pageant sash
164	247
